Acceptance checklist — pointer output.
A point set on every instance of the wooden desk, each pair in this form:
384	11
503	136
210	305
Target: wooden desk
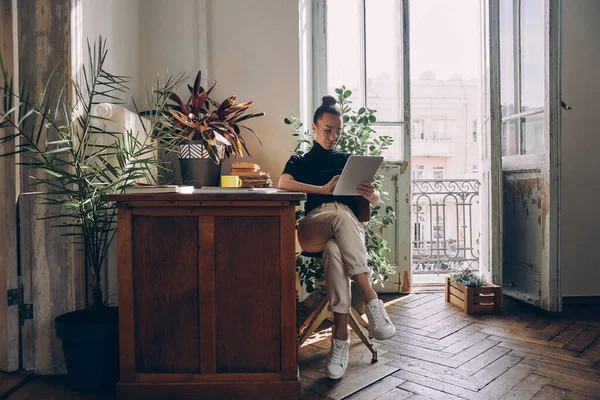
207	299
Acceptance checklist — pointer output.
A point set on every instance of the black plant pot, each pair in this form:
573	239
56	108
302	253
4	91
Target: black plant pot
199	172
197	169
91	348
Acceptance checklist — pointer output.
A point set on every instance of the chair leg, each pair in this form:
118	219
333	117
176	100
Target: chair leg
359	318
355	326
320	314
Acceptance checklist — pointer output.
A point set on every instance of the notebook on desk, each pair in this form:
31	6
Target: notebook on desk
218	189
145	189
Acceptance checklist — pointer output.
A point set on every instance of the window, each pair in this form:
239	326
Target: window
438	172
418	129
438	226
522	76
474	131
419	172
438	131
359	45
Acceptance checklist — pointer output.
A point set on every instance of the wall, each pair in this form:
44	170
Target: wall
172	40
119	23
254	53
580	185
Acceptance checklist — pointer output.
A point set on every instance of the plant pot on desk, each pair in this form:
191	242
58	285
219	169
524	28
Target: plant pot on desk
91	348
487	298
197	168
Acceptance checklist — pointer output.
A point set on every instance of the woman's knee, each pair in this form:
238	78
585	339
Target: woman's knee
312	236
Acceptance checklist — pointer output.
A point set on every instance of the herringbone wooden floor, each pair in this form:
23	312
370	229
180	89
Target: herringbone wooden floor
437	353
440	353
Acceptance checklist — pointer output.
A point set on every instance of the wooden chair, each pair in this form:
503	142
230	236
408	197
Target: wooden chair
321	312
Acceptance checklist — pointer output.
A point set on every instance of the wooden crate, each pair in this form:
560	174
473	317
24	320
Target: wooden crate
471	300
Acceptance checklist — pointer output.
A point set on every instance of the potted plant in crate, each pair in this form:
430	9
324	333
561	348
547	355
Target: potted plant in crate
74	162
472	293
360	138
207	136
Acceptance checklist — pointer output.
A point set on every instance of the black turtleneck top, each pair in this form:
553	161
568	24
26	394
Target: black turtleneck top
317	167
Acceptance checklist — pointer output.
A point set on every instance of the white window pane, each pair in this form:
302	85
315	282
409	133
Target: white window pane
344	27
418	129
418	172
507	58
396	132
532	54
510	144
438	130
384	58
532	129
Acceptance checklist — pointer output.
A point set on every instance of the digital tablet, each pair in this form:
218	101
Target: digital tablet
358	169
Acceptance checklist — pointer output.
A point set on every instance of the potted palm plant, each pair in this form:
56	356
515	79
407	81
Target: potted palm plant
208	132
74	161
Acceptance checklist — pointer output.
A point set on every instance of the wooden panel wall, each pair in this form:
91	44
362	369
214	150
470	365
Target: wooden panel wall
52	269
9	315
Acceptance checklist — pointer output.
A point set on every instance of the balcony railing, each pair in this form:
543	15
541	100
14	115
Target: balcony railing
445	225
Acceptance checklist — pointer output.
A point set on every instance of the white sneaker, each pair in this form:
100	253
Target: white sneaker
337	359
380	324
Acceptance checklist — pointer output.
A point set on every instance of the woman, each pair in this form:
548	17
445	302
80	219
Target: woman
331	226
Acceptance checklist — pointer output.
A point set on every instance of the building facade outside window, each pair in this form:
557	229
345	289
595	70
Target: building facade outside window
418	172
438	131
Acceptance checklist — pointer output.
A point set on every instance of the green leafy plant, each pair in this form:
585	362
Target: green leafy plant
359	137
467	277
220	126
73	160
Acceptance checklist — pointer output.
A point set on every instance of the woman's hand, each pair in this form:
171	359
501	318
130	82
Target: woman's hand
366	190
328	188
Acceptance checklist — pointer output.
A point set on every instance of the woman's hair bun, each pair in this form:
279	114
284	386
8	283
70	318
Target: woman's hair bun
329	101
329	106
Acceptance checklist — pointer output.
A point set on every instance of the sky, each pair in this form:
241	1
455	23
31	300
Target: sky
444	38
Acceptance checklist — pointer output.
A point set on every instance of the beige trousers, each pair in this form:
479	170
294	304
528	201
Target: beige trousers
333	229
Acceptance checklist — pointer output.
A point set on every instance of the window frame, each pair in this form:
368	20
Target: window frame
420	135
320	82
520	161
418	169
439	168
443	134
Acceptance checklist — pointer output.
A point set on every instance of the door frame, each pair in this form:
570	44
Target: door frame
11	292
548	163
491	188
551	290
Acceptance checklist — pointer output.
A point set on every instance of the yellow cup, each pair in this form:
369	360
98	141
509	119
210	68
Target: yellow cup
232	181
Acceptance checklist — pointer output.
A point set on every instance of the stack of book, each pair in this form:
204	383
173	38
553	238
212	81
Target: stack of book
251	175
